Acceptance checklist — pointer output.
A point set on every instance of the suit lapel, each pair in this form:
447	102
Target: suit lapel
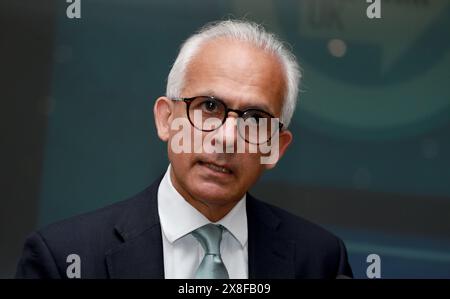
140	255
270	255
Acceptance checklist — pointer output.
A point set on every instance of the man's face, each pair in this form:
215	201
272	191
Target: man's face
242	76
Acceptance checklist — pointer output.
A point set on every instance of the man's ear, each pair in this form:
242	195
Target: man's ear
285	139
163	113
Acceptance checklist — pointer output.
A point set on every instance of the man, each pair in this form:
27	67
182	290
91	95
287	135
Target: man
229	83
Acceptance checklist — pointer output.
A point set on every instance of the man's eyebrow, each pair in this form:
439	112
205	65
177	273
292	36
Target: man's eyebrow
209	93
261	107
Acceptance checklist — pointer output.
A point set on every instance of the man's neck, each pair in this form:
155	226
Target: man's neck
214	212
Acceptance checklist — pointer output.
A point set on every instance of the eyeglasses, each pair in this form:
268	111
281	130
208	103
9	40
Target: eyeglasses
207	113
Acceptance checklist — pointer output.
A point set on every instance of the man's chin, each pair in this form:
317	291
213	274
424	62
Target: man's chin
213	194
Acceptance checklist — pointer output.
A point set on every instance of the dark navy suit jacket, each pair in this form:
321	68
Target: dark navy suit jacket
124	241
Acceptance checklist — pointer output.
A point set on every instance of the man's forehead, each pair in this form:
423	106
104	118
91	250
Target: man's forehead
231	48
236	71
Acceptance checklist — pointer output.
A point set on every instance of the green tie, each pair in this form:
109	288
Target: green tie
212	267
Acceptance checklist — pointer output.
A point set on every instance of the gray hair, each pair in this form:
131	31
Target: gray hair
243	31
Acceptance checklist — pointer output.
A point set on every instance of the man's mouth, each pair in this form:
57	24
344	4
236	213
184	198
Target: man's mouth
215	167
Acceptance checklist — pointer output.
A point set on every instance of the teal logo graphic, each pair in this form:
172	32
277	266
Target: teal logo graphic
366	78
411	37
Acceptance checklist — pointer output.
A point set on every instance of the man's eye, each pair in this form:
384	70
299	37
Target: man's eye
210	106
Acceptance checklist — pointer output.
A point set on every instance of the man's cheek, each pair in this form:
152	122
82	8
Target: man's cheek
248	164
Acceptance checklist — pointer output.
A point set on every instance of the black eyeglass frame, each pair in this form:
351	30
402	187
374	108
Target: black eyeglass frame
240	113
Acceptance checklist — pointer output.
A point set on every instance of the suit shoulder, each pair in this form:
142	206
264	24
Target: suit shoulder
94	223
90	236
318	252
296	227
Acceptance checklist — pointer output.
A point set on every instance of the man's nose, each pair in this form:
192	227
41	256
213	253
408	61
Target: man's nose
228	132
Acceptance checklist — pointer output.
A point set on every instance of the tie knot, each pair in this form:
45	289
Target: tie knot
209	236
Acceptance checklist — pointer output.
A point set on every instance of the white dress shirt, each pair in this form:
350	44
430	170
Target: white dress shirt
182	252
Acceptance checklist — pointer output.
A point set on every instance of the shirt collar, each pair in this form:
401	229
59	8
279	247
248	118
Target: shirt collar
178	218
